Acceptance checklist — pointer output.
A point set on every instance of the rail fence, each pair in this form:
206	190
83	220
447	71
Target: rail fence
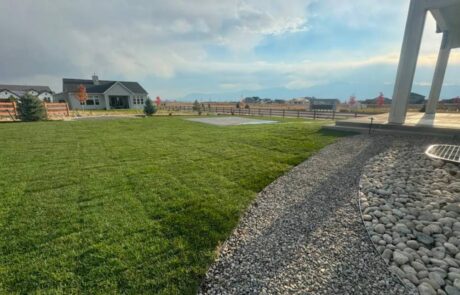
317	114
56	109
9	111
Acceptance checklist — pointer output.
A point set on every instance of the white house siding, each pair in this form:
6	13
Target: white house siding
46	96
118	89
5	94
74	103
137	101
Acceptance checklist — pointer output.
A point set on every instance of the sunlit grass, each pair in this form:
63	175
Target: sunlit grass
131	206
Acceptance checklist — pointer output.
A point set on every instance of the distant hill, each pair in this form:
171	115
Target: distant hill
451	100
340	90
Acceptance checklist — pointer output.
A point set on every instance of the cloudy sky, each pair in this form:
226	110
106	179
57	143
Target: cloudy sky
278	48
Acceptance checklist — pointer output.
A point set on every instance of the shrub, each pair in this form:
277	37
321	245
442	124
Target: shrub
149	108
31	108
197	107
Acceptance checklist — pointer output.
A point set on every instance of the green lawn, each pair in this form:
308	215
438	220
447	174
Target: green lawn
134	205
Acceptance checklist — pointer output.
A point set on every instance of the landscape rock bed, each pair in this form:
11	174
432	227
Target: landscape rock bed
411	208
304	234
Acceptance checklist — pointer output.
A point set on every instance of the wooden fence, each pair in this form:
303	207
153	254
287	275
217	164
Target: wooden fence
56	109
8	110
317	114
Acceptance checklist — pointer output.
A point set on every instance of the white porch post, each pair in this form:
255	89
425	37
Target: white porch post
407	61
107	104
439	73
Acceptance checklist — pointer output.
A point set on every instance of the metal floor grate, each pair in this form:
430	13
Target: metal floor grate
446	152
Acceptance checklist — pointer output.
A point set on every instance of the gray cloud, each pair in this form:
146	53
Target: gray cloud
157	41
131	39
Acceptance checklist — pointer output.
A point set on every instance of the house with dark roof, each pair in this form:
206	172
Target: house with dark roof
323	104
102	94
8	92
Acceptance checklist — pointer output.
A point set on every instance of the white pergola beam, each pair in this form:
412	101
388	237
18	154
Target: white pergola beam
408	61
436	4
439	73
440	21
454	40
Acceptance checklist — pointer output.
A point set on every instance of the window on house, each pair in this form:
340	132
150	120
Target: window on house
96	101
90	102
82	103
134	101
142	101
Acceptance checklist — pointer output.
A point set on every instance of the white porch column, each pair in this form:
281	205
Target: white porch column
107	104
439	73
407	61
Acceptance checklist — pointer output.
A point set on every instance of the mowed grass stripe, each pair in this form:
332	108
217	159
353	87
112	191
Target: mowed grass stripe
135	205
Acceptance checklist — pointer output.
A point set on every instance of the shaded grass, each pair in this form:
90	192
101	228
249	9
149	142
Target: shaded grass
134	205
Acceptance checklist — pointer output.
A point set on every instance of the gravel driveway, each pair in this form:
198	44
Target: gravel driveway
304	233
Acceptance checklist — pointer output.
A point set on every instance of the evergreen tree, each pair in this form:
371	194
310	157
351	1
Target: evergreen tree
31	108
149	108
197	107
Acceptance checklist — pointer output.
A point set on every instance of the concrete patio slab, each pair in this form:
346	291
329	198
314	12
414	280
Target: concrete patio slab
415	123
230	121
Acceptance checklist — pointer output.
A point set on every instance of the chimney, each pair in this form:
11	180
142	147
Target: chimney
95	79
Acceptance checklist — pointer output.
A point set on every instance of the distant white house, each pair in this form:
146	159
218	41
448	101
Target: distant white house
102	94
299	100
16	91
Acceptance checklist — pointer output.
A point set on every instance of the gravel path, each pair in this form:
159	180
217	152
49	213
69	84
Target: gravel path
304	233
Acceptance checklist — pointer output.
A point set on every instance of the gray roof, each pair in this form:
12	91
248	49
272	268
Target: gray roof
324	100
71	85
25	88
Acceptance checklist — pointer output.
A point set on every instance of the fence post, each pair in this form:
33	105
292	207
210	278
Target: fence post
298	114
46	110
67	109
15	109
284	112
270	112
333	115
356	114
314	114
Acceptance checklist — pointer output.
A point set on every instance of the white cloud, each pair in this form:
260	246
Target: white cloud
144	39
134	38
